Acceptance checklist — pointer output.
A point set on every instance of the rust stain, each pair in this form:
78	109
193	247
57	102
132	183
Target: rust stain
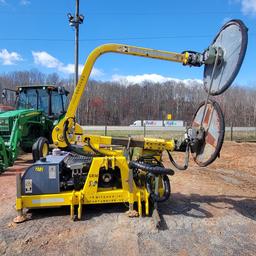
210	140
207	115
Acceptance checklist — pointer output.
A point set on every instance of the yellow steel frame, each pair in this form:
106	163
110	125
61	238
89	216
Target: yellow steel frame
57	134
91	193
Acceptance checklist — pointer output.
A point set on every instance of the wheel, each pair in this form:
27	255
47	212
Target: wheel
40	148
164	187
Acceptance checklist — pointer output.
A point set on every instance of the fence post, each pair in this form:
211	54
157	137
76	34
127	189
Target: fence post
231	132
144	129
106	130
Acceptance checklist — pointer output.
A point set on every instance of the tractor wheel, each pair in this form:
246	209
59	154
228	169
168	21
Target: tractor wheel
40	148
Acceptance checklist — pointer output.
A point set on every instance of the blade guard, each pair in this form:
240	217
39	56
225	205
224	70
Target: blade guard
207	140
232	40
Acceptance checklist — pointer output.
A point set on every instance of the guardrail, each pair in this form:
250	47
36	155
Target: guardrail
133	128
154	128
232	133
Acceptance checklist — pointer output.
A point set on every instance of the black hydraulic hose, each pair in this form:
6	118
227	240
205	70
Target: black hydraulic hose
166	185
93	148
79	150
71	147
157	170
175	164
65	128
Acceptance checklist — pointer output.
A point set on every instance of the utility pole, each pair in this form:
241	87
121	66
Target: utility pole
75	21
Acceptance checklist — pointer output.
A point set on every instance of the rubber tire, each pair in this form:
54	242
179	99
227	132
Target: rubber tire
167	191
37	148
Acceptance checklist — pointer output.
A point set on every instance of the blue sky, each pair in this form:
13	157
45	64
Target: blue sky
36	34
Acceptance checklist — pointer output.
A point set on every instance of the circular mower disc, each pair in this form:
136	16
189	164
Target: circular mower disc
214	127
232	39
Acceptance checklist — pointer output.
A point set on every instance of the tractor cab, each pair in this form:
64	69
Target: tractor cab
51	100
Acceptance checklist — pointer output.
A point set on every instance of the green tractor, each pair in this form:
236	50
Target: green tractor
37	109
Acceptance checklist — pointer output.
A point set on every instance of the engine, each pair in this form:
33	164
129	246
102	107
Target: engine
64	172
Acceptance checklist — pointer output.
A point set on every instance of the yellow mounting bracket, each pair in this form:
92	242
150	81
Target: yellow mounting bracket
57	134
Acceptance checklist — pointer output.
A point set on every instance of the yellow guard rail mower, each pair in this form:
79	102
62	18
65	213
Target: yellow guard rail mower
89	169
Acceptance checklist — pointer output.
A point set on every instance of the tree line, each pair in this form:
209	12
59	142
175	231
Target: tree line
113	103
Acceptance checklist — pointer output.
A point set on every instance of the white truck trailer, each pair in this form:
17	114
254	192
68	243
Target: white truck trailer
166	123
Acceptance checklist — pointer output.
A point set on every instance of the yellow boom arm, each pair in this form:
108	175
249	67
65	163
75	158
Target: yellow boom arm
57	134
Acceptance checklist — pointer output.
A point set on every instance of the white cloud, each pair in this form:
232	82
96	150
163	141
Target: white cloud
9	58
154	78
69	69
46	60
25	2
97	72
22	2
248	7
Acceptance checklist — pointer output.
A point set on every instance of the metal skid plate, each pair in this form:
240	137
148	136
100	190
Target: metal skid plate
214	128
232	39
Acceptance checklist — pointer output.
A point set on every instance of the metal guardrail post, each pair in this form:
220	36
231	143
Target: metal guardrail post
231	132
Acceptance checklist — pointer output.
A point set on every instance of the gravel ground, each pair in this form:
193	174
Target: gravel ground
212	211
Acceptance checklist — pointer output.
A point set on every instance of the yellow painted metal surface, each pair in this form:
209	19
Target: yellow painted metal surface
115	159
158	144
91	193
57	134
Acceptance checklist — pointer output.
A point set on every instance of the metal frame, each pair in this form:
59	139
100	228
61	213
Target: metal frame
90	194
57	134
68	131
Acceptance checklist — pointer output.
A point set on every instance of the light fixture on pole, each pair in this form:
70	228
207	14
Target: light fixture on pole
75	21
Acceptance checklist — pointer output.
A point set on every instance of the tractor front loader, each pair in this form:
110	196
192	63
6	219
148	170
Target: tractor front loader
37	108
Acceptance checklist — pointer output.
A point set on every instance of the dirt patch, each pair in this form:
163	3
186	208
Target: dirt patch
212	211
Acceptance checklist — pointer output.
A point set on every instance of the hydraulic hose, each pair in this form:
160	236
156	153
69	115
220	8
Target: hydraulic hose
75	148
92	148
65	129
175	164
157	170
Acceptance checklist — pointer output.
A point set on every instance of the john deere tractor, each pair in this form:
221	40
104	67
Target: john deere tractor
37	109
